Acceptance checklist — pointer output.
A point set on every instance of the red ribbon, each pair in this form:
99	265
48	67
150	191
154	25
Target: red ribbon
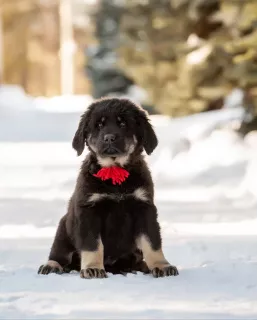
117	174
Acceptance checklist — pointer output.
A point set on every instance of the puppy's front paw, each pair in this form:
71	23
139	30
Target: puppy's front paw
165	272
91	273
50	267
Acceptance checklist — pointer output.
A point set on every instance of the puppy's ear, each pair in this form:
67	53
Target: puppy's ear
78	142
148	136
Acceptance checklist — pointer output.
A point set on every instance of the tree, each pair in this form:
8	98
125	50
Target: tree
183	52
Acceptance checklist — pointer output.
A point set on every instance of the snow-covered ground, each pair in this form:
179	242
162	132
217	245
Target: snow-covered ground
207	200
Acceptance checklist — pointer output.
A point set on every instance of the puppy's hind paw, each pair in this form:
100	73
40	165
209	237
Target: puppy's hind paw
165	272
50	267
91	273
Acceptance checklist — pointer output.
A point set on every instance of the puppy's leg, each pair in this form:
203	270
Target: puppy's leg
61	251
92	262
149	241
90	245
74	265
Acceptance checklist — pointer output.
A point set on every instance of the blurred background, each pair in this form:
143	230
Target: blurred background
192	64
177	57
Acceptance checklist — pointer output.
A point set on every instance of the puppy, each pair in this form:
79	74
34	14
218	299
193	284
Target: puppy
111	227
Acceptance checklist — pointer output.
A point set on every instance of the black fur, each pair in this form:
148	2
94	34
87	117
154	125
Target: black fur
121	220
136	124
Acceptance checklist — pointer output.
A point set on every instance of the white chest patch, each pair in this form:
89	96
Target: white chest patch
139	193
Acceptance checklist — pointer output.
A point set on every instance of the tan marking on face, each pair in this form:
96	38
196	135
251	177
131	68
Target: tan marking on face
123	160
132	146
91	146
141	194
153	258
93	259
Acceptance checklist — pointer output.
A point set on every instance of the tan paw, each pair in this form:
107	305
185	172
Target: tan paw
50	267
91	273
165	272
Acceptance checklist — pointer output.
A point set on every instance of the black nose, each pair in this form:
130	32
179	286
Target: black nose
108	138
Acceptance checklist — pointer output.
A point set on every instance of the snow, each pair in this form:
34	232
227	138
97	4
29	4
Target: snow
206	184
61	104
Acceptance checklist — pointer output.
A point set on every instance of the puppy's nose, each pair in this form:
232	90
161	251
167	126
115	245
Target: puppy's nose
108	138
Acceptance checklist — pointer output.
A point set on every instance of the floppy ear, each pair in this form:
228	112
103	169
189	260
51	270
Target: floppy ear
78	142
149	139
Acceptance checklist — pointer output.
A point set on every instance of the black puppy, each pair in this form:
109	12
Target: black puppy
111	227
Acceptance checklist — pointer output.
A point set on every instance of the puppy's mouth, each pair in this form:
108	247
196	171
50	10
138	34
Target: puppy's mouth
111	151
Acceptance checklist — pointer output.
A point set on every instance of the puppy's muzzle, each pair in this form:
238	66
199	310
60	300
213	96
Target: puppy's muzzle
110	147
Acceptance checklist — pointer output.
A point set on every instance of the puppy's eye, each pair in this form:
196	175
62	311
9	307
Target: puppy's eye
100	123
121	123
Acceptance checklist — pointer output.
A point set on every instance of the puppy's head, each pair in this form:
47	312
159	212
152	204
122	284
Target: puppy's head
114	129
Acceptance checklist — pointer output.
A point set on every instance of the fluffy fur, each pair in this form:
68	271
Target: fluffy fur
111	228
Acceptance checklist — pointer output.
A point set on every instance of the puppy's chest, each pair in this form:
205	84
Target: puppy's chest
129	190
138	194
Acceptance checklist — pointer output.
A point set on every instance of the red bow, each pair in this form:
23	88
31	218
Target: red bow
117	174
